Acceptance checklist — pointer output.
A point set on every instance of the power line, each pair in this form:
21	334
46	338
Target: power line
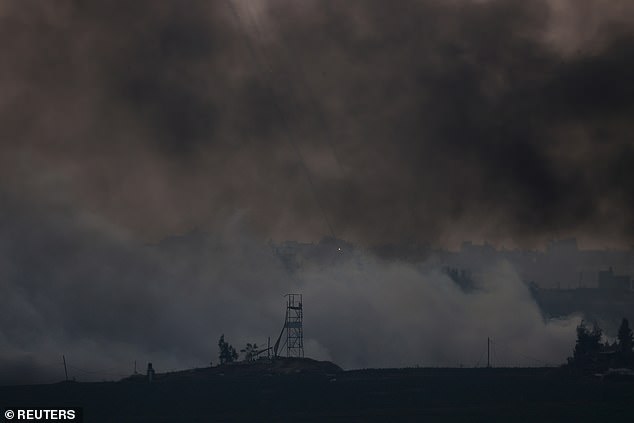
97	372
528	357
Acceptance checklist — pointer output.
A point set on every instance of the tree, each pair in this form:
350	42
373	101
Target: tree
625	337
250	352
588	343
227	354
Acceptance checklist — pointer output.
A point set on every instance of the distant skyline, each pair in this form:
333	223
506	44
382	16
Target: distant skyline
499	245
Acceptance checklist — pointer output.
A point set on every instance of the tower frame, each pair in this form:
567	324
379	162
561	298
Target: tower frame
294	325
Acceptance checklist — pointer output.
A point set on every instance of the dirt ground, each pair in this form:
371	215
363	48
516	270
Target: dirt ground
328	394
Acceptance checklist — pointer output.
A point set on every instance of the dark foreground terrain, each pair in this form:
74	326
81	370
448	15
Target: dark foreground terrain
324	393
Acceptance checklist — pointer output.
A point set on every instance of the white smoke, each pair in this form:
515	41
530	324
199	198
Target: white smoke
385	315
104	302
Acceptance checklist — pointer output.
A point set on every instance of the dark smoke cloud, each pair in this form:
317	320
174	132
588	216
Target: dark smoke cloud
70	286
504	120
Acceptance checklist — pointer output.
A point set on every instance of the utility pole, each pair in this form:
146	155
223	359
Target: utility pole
65	369
488	352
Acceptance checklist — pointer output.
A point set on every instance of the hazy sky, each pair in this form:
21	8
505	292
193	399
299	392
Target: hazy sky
433	120
122	123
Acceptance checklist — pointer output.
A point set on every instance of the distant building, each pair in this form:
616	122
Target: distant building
468	247
562	246
608	281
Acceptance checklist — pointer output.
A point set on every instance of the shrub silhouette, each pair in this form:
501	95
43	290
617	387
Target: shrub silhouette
588	345
625	337
250	352
227	354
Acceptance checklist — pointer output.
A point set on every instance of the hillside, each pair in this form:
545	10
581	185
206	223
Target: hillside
259	393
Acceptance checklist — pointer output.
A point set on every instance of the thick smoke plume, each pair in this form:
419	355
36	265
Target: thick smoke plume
104	302
437	120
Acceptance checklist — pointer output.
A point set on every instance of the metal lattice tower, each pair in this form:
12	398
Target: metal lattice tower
294	325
